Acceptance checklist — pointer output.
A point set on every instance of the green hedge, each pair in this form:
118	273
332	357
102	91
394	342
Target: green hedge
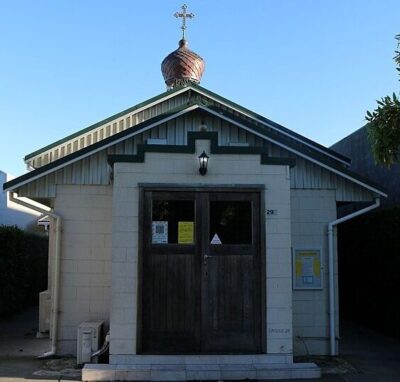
369	270
23	269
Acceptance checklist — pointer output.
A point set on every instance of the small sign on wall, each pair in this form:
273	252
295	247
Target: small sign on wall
307	269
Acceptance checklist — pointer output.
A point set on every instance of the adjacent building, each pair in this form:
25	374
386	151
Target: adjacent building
357	147
11	213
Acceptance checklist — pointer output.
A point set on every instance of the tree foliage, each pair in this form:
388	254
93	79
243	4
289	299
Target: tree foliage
384	125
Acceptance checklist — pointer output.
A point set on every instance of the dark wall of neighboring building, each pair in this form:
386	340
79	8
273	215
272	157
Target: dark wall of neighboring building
356	146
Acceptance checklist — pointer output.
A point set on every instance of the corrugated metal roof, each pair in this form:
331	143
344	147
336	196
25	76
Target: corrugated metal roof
196	88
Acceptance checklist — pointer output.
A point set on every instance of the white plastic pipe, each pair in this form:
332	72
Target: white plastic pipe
331	226
56	273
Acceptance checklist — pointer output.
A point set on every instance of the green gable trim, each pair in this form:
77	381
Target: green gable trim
269	134
190	148
277	161
295	146
103	122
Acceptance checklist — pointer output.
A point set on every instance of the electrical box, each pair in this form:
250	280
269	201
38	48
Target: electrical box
44	311
89	341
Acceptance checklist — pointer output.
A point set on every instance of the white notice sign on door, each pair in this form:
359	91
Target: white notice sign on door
159	232
216	240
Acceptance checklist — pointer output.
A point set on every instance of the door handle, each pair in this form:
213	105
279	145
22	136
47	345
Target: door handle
206	257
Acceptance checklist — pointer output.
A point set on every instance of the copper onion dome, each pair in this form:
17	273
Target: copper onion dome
182	66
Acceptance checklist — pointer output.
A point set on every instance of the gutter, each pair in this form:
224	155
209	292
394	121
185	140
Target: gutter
331	226
56	276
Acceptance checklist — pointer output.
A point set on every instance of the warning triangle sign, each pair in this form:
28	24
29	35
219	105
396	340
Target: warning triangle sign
216	240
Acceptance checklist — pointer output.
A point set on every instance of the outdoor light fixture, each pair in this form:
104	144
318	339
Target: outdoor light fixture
203	160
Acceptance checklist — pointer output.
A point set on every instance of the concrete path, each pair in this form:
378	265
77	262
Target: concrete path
19	346
374	357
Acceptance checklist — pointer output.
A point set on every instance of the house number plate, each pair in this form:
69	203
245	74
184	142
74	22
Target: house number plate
272	212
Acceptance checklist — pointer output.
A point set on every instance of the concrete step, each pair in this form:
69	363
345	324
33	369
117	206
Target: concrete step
198	371
207	359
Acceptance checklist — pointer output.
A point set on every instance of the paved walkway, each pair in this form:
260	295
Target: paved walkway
19	346
374	357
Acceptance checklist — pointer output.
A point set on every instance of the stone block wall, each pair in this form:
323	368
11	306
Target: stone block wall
85	280
167	168
312	210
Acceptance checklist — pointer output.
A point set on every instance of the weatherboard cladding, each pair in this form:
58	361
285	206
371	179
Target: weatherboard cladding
95	170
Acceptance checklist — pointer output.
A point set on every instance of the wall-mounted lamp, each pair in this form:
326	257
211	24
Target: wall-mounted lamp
203	161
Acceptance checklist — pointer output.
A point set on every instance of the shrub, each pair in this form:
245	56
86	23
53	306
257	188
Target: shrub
23	269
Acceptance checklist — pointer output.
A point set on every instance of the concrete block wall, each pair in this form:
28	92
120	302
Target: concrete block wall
183	169
312	210
85	259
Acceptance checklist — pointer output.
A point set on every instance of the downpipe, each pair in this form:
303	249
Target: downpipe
331	226
56	276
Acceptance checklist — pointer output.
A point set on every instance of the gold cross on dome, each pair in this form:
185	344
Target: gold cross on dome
184	16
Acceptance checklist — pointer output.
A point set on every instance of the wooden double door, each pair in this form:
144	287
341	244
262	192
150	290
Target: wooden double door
200	281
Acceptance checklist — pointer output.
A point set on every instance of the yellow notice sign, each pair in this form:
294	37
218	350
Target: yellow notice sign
185	232
307	269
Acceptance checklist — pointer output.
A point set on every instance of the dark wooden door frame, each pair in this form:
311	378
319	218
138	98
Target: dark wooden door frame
145	188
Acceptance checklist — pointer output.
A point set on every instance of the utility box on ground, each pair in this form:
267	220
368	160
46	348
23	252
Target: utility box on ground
89	337
44	312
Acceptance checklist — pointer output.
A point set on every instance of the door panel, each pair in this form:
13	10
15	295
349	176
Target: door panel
170	305
199	297
171	276
231	274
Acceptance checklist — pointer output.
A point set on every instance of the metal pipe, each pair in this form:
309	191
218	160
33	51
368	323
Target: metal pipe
56	274
331	226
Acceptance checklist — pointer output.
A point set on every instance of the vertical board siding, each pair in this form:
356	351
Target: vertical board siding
95	169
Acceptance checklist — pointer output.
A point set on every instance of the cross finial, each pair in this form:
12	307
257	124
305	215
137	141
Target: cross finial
184	16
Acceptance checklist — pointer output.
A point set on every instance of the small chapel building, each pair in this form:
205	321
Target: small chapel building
200	233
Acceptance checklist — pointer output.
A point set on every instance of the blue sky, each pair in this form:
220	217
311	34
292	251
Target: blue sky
313	66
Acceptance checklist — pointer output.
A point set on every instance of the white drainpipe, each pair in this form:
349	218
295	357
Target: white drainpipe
56	274
331	225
